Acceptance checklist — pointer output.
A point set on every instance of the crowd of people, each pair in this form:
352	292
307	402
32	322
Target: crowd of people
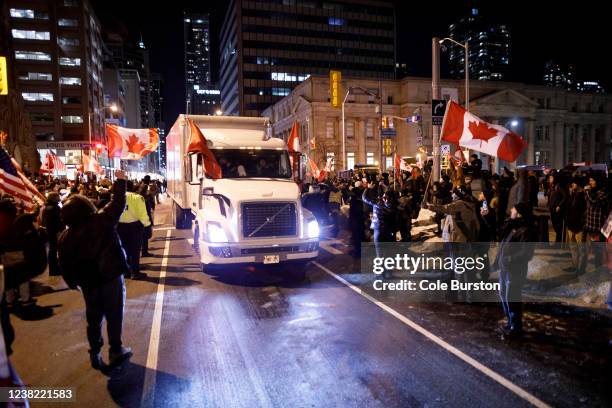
90	231
472	205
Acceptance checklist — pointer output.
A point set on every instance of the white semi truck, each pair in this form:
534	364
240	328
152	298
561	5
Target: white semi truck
253	214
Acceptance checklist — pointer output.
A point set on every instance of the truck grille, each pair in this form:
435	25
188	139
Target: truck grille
254	215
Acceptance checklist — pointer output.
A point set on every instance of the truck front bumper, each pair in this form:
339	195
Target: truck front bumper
232	253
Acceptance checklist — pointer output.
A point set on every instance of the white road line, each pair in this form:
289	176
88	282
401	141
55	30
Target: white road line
330	248
148	389
448	347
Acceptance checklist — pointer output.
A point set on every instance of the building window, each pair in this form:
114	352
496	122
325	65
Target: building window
27	13
388	162
390	99
32	55
542	157
71	3
67	42
37	97
332	156
41	117
369	158
329	129
70	81
350	129
280	91
333	21
547	133
30	35
538	133
70	62
72	119
67	100
369	128
36	76
350	160
68	22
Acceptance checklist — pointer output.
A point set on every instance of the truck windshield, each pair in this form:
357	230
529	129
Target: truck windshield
247	163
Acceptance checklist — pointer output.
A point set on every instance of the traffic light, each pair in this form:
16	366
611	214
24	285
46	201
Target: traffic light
387	147
3	77
385	122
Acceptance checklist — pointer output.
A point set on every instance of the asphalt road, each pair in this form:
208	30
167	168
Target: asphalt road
254	338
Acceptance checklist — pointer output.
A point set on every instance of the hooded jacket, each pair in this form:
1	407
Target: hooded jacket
461	223
519	193
90	251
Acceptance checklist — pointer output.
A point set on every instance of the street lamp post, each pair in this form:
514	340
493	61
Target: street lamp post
466	68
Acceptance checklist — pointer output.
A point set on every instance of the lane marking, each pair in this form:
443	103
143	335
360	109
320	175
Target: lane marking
329	248
448	347
148	388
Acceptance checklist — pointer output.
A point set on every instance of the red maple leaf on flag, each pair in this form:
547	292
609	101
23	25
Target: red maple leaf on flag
481	131
134	144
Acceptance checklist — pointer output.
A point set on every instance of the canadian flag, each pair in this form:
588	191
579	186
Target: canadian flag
293	143
467	130
131	144
314	169
326	170
91	164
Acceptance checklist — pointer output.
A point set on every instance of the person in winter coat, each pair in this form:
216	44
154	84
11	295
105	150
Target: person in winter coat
534	188
52	221
383	217
519	193
574	222
515	251
356	215
404	215
91	257
557	201
461	223
597	211
132	223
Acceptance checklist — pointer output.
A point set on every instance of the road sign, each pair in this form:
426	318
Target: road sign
389	132
444	149
3	77
438	107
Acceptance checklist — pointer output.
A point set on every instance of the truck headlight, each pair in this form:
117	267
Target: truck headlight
312	229
215	232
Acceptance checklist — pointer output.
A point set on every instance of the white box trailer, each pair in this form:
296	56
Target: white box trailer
253	214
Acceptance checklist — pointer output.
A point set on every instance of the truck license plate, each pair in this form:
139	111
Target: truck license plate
271	259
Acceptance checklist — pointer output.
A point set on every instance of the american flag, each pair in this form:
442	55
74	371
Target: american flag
12	183
52	163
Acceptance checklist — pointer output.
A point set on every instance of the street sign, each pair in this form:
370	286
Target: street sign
444	149
389	132
438	107
335	78
3	77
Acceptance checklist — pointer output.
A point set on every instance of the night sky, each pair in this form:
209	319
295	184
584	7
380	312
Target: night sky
541	30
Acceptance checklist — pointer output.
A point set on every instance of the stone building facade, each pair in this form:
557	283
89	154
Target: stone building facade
560	126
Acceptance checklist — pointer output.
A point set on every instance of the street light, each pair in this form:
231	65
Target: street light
514	123
467	68
367	91
218	112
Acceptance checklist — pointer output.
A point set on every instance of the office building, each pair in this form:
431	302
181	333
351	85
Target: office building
488	45
269	47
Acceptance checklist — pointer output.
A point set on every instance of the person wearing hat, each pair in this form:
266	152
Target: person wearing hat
51	220
91	257
515	251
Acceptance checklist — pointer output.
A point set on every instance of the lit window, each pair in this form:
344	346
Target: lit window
70	81
280	91
36	76
335	21
65	42
37	97
350	160
369	158
72	119
32	55
67	22
332	156
70	62
388	162
27	13
30	34
70	3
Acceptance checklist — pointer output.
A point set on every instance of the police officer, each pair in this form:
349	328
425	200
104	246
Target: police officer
131	226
